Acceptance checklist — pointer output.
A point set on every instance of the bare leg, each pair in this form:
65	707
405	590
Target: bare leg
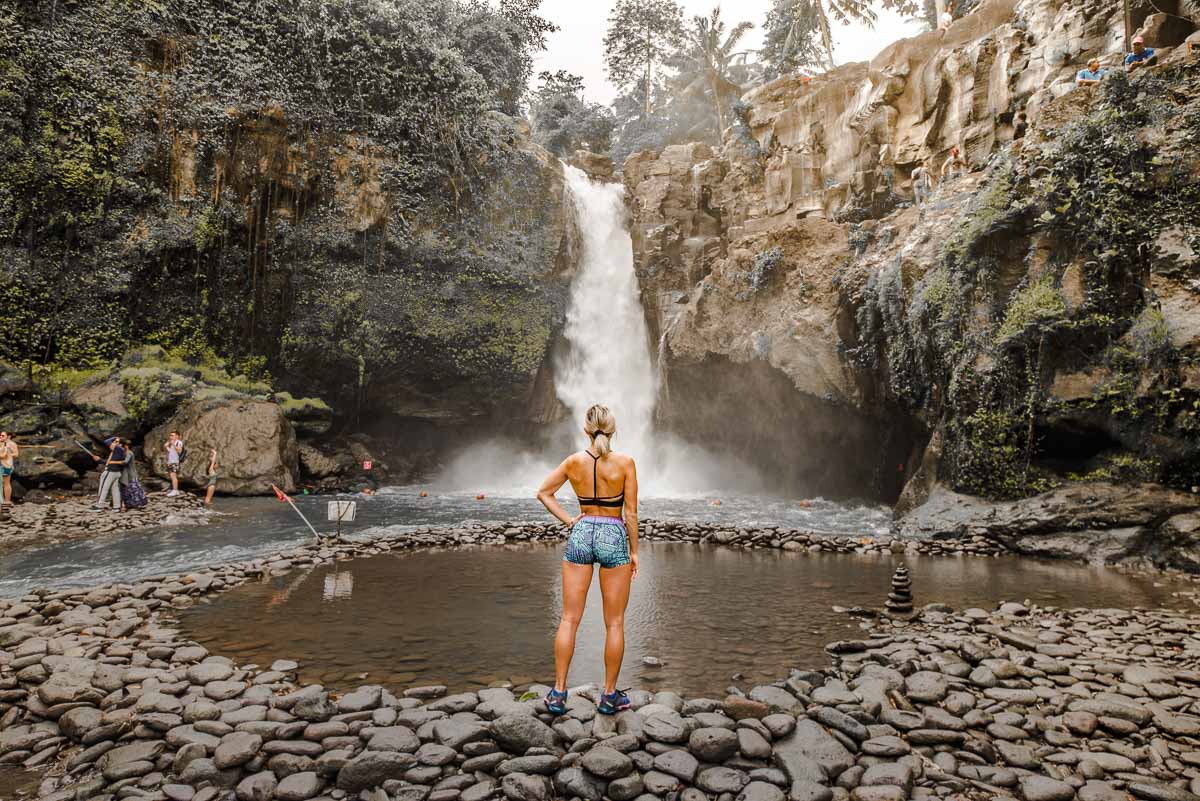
576	581
8	489
174	481
614	589
208	496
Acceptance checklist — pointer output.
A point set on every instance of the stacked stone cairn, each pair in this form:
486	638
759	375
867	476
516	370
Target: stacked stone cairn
900	600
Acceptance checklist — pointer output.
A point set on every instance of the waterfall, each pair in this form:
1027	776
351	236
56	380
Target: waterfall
607	356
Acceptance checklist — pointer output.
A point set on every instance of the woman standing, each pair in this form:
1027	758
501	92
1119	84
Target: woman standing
605	532
8	454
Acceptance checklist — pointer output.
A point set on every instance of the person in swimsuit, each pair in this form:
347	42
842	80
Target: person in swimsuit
8	453
604	532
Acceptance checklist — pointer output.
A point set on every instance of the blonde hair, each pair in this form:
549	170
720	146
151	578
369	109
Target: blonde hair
600	425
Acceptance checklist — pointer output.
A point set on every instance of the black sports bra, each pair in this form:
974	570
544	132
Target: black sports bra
616	501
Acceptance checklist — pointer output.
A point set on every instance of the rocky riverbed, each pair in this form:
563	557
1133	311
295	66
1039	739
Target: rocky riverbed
72	517
1038	704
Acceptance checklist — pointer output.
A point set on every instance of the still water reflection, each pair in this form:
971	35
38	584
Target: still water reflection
467	617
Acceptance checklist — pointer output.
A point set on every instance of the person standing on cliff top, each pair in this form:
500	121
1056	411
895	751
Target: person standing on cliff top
1090	76
174	448
8	454
1141	56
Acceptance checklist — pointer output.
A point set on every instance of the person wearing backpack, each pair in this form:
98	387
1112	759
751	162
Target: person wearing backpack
175	455
131	488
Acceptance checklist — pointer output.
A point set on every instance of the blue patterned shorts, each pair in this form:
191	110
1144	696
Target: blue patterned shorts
598	539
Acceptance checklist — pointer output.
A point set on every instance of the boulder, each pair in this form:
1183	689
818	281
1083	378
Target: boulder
256	445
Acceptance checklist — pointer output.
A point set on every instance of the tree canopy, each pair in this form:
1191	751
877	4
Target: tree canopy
641	36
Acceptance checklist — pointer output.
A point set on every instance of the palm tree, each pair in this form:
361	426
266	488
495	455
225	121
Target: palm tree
706	60
804	13
803	18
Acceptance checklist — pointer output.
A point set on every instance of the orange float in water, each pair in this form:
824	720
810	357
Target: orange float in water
480	497
805	504
715	502
424	494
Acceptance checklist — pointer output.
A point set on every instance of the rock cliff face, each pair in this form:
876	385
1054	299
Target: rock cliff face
1030	325
361	224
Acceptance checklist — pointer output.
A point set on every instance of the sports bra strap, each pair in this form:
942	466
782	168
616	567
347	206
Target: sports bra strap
595	484
596	500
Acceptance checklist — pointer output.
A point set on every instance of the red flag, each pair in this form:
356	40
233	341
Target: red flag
279	494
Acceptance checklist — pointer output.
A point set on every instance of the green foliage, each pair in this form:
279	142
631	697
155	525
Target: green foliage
709	70
800	32
1121	466
792	38
564	122
193	174
292	404
973	345
994	461
998	208
1036	306
641	36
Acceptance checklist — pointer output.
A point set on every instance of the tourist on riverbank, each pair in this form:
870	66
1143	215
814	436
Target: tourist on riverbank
174	448
605	532
110	479
212	477
111	476
1090	76
9	451
1141	56
131	488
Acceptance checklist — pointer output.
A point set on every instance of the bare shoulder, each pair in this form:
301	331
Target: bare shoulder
624	460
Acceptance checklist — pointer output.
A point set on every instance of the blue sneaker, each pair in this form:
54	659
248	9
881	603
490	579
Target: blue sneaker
614	702
556	702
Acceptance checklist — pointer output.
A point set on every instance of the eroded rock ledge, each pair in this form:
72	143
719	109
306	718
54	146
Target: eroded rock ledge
1033	703
1093	521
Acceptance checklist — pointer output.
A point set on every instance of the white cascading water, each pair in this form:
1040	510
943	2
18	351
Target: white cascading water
607	359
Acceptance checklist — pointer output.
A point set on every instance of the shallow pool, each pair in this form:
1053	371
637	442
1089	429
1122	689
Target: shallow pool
470	616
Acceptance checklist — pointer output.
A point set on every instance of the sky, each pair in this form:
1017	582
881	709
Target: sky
578	46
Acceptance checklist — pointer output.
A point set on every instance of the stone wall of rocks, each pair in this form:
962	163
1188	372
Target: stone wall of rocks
1038	704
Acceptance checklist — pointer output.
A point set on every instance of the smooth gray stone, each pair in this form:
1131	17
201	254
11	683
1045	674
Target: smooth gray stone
607	763
758	791
523	787
519	733
677	763
299	787
1043	788
720	779
713	744
804	790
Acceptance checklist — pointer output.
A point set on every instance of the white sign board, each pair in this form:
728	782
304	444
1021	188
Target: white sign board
342	511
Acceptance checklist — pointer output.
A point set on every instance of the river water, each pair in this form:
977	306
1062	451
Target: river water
244	528
466	617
